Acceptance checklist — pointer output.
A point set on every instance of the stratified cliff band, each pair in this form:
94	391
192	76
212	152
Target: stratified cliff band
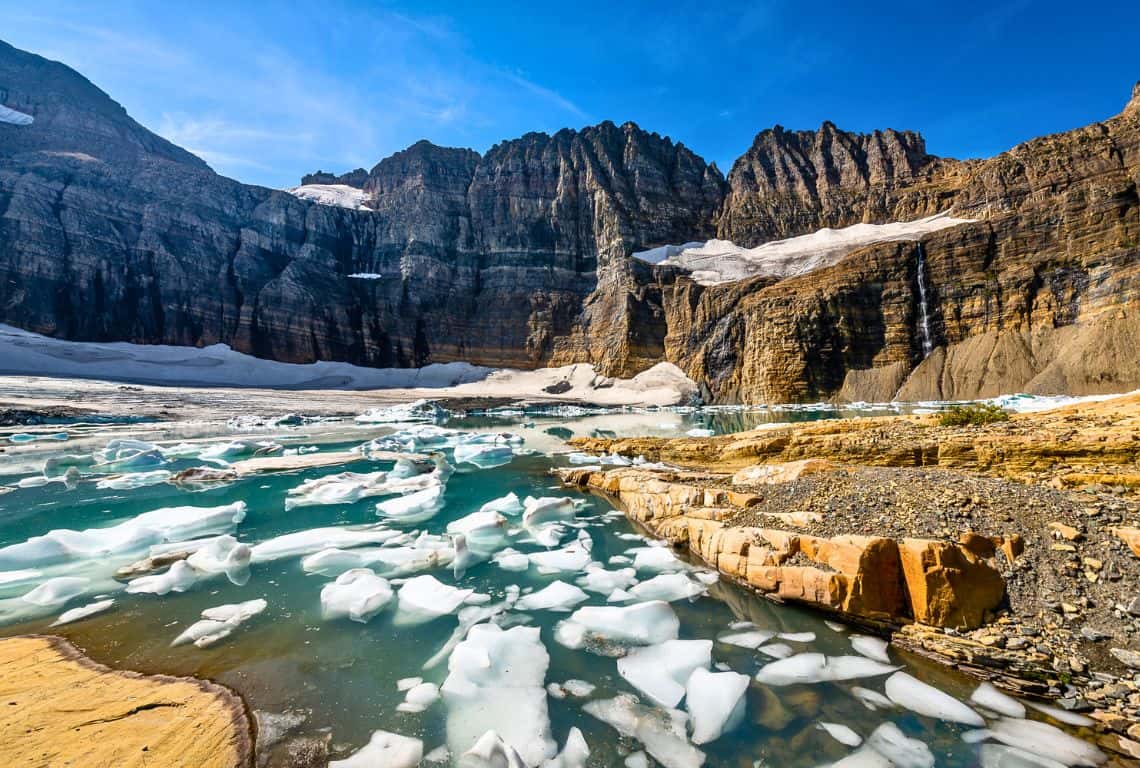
522	257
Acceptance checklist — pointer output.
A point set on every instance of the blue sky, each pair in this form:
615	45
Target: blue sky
268	91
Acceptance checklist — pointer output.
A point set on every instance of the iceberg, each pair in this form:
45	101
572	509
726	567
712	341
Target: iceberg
715	701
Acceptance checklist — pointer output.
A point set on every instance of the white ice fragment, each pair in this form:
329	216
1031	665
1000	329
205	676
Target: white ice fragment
872	700
556	596
496	681
219	623
224	554
548	509
573	754
1047	741
715	701
511	560
637	759
835	626
904	752
641	624
1002	756
419	698
490	751
700	432
384	750
656	559
579	689
660	671
407	683
180	577
316	539
863	758
667	587
841	733
133	480
83	611
413	508
358	594
989	697
483	530
871	647
797	637
56	591
748	639
661	732
603	582
1063	715
573	557
423	598
777	650
483	455
915	695
504	505
817	668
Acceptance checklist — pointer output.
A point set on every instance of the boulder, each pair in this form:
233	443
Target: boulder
947	584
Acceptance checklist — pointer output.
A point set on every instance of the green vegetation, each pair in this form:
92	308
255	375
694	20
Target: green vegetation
975	414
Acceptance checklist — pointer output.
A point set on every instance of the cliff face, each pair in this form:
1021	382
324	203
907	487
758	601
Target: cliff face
521	257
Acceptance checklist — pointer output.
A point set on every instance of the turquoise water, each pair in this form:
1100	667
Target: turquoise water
342	675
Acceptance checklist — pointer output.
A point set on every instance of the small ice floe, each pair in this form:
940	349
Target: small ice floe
349	487
482	530
573	557
752	638
180	577
386	749
316	539
913	694
413	508
125	455
424	598
224	453
665	586
817	668
660	559
490	751
556	596
133	480
660	671
504	505
715	701
987	696
486	450
841	733
419	698
547	509
219	623
603	582
223	554
358	594
511	560
1002	756
797	637
1062	715
168	524
700	432
574	753
1045	741
420	410
56	591
83	611
641	624
405	684
32	437
637	759
578	689
871	647
496	681
835	626
890	742
777	650
661	732
872	700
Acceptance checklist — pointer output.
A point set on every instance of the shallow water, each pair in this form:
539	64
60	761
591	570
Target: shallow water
343	675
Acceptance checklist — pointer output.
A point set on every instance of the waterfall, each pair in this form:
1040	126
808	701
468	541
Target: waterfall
924	309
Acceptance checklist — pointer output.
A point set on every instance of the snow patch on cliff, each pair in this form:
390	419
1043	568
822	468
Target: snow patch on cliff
14	117
722	261
340	195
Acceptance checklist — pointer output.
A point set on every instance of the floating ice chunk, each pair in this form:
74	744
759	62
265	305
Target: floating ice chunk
420	410
224	554
863	758
316	539
841	733
603	582
224	453
483	455
698	432
573	557
134	535
637	759
384	750
661	732
667	587
548	509
439	755
557	596
656	559
578	688
715	701
423	598
817	668
1002	756
413	508
641	624
989	697
505	505
797	637
511	560
660	671
835	626
871	647
496	681
219	623
1063	715
1046	740
777	650
753	638
56	591
872	700
419	698
83	611
490	751
133	480
342	488
483	530
180	577
915	695
128	456
358	595
407	683
890	742
573	754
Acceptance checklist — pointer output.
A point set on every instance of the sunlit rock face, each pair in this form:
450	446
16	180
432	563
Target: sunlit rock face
521	257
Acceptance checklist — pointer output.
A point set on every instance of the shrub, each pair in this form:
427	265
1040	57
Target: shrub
975	414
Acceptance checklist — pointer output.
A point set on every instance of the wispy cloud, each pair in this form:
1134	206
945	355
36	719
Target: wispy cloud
553	97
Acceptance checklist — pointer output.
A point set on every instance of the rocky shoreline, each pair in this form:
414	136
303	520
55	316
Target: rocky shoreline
62	708
1007	551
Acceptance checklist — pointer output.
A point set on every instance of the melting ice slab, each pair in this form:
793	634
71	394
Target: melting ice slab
662	732
219	623
389	750
358	594
496	681
661	671
715	701
817	668
643	624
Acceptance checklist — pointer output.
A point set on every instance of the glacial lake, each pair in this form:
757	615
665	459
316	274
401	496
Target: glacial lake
507	639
